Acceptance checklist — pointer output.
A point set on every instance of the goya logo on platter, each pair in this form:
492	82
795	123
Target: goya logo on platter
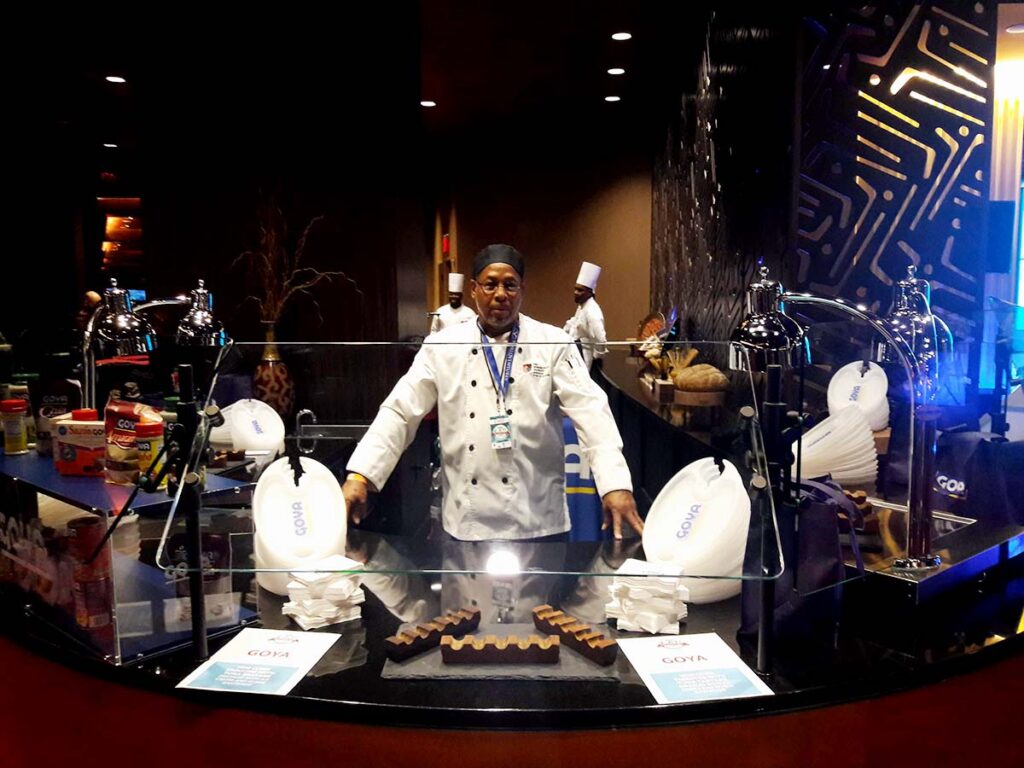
299	519
686	527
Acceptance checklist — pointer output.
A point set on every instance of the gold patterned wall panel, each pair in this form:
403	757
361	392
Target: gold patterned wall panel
897	101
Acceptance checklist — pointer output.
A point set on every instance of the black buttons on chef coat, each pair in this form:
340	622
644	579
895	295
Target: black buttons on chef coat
511	379
474	350
504	480
472	415
473	481
472	447
508	412
473	382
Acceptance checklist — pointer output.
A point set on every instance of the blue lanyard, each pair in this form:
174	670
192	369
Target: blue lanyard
501	381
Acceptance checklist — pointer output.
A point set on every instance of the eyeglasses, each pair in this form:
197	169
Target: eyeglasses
511	288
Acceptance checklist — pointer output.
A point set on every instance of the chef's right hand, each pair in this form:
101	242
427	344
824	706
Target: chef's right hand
355	490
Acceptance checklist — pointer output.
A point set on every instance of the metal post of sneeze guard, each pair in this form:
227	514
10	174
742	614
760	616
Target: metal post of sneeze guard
919	529
766	623
191	500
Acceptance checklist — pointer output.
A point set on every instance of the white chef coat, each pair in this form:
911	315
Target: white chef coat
512	493
445	316
587	327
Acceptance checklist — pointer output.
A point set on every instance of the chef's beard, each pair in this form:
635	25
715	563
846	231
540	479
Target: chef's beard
495	326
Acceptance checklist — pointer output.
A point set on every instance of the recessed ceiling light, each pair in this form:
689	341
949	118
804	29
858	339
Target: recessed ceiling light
110	146
1016	29
428	103
616	71
612	98
115	79
622	36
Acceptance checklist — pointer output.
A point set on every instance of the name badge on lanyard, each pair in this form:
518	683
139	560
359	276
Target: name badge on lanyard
501	424
501	432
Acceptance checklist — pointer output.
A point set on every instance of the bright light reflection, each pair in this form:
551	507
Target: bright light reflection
503	563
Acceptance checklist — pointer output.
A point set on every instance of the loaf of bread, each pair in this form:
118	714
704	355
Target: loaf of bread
582	638
423	637
491	649
700	378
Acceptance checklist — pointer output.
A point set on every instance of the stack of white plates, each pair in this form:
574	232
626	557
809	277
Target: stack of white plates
699	523
863	386
296	525
842	446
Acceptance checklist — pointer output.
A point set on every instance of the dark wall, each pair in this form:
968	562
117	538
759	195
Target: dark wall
316	112
563	194
325	124
722	181
318	109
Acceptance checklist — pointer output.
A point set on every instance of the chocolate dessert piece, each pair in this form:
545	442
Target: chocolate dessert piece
491	649
423	637
581	637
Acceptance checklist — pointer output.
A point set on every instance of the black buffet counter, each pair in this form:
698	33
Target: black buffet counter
887	680
858	675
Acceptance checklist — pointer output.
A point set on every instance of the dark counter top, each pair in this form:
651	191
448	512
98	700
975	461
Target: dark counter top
861	648
93	493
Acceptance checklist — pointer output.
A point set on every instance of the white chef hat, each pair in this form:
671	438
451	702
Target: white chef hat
455	282
589	275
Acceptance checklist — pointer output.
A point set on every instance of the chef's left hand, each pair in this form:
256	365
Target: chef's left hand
618	506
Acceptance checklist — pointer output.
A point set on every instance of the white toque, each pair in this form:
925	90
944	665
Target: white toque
455	282
589	275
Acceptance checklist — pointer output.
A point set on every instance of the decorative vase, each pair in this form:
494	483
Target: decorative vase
271	381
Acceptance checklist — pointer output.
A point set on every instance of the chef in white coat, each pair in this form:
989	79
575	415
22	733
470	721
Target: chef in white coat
501	387
454	312
587	325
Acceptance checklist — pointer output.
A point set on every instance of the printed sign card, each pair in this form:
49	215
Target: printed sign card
677	668
264	661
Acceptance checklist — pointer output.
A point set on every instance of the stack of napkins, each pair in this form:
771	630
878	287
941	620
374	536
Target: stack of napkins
322	596
647	603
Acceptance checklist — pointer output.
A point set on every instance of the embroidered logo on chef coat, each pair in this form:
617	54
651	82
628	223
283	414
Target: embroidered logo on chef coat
536	369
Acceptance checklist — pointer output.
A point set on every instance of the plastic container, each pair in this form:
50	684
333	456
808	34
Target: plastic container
79	443
93	588
296	525
15	418
863	386
255	426
699	523
19	390
51	399
150	440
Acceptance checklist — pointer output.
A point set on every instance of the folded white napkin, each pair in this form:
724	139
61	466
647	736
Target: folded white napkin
340	589
327	570
654	603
